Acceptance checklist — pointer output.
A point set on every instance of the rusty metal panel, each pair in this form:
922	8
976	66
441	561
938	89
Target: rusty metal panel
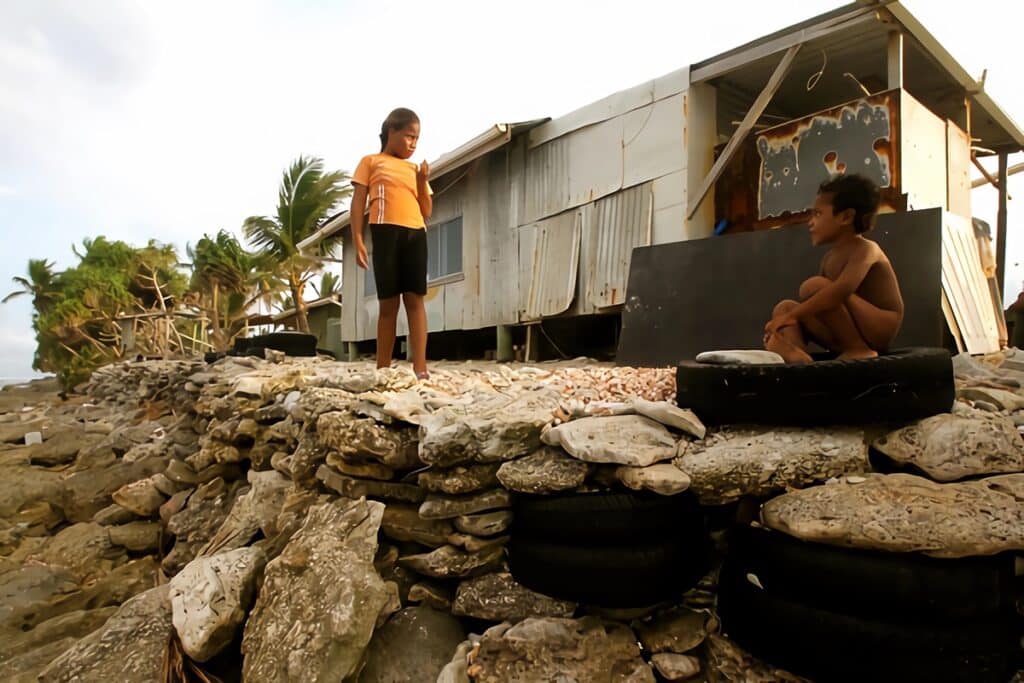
796	157
549	257
617	224
546	180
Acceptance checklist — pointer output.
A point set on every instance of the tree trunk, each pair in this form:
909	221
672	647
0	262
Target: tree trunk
219	342
301	322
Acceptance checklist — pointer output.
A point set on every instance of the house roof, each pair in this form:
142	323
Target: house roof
848	46
491	139
310	305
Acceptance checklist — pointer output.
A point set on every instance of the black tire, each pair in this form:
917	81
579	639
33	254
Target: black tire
900	386
291	343
255	351
606	518
827	646
608	576
907	586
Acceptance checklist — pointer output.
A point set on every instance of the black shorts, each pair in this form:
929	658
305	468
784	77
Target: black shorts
399	260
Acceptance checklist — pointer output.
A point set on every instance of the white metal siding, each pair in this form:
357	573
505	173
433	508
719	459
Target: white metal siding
617	224
653	141
547	180
549	258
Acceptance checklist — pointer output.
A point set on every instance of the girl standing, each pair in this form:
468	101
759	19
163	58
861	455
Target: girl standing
399	206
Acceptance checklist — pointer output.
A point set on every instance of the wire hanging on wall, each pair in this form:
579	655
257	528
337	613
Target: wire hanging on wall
815	77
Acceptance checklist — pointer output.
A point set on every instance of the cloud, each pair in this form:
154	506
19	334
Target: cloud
7	190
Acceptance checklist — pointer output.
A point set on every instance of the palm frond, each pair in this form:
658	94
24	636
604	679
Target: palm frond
265	234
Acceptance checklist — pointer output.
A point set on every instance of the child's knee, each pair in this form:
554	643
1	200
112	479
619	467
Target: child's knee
813	285
389	307
412	301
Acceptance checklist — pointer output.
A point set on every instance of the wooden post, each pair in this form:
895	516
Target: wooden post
1001	224
746	125
895	60
504	343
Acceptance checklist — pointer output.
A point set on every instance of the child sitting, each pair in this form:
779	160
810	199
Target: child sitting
854	306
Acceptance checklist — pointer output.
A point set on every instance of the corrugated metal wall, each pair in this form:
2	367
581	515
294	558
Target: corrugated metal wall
550	229
549	254
616	225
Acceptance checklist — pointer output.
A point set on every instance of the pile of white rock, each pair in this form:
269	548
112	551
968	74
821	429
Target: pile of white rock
306	519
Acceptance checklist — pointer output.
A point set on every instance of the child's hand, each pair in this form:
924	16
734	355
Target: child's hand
361	257
423	173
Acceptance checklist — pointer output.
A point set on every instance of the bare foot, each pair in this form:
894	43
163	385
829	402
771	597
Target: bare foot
858	354
790	353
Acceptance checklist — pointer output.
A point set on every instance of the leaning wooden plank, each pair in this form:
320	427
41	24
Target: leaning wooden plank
954	329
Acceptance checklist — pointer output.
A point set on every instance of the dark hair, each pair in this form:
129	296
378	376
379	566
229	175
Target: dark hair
396	120
854	192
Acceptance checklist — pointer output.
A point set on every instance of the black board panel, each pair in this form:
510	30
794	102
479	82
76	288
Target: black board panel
717	293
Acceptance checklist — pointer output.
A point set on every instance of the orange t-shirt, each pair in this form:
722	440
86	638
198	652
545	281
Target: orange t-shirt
391	188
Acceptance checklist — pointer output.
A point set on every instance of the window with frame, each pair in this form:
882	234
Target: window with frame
444	249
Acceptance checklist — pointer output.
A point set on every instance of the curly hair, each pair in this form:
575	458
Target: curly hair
854	192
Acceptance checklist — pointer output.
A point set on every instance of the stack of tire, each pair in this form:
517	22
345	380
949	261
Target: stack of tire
615	549
899	386
841	614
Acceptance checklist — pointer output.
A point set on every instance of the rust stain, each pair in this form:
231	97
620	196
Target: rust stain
773	179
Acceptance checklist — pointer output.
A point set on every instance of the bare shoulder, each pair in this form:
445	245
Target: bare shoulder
868	249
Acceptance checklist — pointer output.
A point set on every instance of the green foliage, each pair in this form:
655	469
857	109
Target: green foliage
306	199
329	284
76	311
226	280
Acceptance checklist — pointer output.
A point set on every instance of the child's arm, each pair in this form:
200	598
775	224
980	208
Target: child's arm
357	221
423	196
864	256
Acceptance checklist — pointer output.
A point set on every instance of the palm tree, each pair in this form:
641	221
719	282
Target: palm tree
306	199
329	284
41	284
231	279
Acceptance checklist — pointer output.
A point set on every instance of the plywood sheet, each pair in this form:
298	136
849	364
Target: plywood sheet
966	286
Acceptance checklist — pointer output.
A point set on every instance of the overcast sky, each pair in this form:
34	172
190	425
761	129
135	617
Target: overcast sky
166	120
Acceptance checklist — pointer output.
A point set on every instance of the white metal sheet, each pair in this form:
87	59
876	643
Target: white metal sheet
553	246
922	155
617	224
653	141
434	303
958	170
454	304
614	105
595	162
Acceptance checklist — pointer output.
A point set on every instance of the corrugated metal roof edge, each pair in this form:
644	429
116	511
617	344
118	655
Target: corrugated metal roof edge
316	303
491	139
916	29
953	67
